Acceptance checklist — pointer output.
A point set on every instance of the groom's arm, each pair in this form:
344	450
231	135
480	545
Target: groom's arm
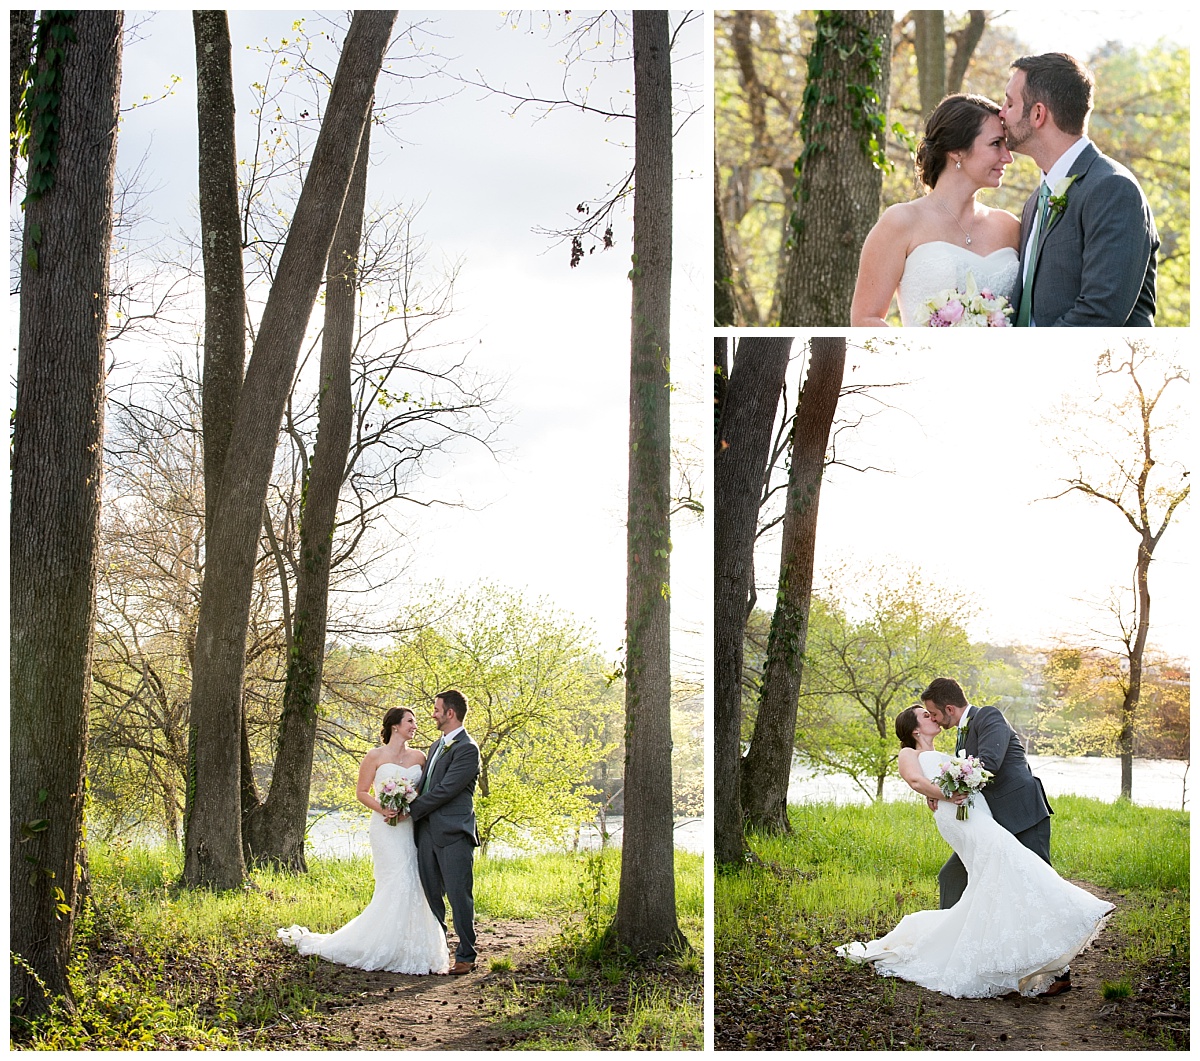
1116	225
460	773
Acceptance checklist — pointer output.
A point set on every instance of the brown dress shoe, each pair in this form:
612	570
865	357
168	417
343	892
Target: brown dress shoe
1060	985
459	968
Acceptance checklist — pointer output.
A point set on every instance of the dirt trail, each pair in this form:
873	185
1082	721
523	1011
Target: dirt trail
1080	1019
380	1011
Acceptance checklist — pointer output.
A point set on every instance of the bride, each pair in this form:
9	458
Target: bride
397	932
1018	923
921	248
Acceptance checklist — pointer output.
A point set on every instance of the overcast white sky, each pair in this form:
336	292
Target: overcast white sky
967	436
549	517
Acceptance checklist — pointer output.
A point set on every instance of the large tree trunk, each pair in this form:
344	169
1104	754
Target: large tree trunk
839	191
768	764
56	478
724	303
930	27
966	40
20	41
224	279
274	830
646	919
213	844
743	447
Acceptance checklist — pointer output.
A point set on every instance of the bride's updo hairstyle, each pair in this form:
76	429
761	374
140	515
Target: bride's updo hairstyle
953	126
394	717
906	725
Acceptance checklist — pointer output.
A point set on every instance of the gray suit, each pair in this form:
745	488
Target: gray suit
1014	796
444	819
1098	258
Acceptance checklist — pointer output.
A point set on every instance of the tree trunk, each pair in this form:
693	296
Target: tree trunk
213	844
930	48
274	830
646	918
768	764
839	191
724	303
224	280
966	40
743	447
1133	693
57	463
20	41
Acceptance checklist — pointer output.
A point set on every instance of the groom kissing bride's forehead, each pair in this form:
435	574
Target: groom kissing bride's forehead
1088	244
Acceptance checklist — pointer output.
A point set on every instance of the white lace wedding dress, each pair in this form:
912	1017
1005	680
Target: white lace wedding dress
1017	925
397	932
939	266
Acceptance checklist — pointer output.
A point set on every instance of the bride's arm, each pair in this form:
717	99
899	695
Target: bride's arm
880	267
366	778
910	770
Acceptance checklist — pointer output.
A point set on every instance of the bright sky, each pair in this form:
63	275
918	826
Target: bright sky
549	516
1080	31
971	460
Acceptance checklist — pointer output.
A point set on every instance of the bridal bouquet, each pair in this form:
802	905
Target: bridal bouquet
972	308
962	775
396	794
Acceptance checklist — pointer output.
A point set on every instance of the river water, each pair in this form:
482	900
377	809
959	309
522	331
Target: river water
342	835
1156	782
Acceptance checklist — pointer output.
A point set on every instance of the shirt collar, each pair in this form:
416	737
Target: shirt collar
962	721
1065	161
448	737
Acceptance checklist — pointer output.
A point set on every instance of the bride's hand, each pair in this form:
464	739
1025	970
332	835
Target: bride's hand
932	803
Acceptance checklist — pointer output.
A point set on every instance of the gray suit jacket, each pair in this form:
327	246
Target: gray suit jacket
1015	796
445	811
1098	258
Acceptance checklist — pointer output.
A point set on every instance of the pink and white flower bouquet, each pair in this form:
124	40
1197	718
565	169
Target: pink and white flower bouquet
962	775
396	794
973	308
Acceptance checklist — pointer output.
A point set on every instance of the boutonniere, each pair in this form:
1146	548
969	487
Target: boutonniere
446	744
1058	195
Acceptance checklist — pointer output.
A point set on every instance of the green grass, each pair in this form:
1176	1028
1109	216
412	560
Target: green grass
161	967
851	872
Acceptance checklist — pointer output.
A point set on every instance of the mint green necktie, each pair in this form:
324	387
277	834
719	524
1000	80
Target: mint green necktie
437	752
1035	245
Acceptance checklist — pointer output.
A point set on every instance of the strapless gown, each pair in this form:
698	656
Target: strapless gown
1017	925
938	266
397	932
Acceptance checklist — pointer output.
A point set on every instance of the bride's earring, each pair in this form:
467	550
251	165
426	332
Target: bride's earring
958	164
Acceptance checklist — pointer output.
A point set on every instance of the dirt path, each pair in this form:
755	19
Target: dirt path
1080	1019
379	1011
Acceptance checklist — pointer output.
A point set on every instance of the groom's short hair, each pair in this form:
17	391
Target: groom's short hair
1060	82
943	691
454	700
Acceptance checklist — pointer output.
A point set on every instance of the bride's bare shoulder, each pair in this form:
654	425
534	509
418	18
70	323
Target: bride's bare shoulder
1007	223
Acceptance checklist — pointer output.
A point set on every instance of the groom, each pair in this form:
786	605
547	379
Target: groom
1014	796
444	819
1088	242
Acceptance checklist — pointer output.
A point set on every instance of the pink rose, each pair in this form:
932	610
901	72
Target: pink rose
952	312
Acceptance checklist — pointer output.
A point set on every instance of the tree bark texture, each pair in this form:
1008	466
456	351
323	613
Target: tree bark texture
739	466
930	32
20	41
966	40
221	241
838	194
646	918
768	764
274	830
724	303
54	533
213	844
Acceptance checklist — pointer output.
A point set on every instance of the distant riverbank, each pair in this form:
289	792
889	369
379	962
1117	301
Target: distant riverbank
1156	782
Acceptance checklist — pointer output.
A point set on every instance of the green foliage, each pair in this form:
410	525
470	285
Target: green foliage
37	120
872	647
540	706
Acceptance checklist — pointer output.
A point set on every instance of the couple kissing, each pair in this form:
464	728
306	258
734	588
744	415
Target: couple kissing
1007	921
1083	253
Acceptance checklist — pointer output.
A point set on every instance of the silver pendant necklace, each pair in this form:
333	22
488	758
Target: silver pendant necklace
946	210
